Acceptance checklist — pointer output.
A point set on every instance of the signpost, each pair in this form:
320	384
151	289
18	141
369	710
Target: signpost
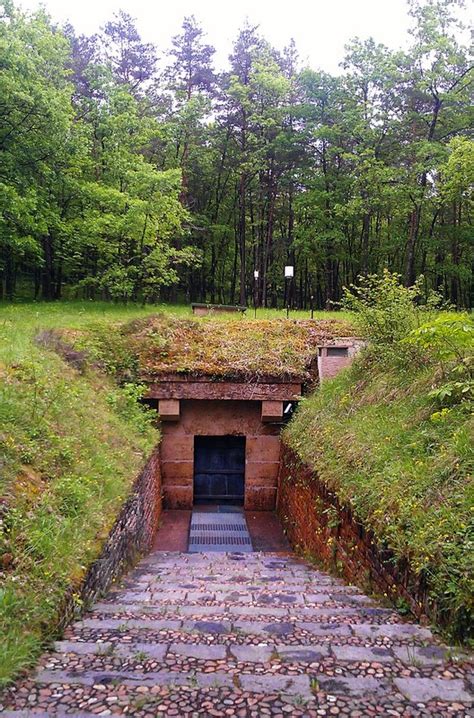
255	291
289	274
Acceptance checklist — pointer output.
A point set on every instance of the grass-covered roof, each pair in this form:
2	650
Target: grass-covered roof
237	348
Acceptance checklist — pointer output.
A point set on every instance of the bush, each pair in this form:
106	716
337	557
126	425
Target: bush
448	342
385	310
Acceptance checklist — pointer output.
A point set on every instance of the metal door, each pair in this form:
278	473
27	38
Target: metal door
219	469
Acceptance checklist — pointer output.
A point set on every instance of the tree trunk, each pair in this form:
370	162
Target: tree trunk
47	279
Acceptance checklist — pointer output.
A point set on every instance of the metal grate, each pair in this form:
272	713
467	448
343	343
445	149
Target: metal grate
219	532
218	527
219	539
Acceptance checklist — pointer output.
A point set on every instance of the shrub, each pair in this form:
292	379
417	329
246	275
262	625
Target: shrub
448	342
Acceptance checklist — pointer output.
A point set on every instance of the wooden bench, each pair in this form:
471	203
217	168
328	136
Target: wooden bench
203	309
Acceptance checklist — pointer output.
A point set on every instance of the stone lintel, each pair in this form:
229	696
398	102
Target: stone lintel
168	409
236	391
272	410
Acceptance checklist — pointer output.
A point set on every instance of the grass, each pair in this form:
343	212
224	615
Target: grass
162	344
74	313
71	445
375	437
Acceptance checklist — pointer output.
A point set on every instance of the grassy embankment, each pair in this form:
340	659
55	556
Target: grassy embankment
71	443
384	442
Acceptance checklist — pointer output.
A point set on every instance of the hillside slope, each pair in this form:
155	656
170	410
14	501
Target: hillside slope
376	436
71	444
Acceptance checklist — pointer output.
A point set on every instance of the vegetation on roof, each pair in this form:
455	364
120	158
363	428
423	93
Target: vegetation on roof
236	348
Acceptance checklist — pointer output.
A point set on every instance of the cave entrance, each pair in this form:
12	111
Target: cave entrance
219	470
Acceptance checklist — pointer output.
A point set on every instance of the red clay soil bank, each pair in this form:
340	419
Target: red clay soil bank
320	528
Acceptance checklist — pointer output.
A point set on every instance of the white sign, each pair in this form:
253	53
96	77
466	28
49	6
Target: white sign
255	274
289	271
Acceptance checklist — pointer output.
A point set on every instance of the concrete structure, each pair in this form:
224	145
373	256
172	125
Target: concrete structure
334	356
198	408
193	406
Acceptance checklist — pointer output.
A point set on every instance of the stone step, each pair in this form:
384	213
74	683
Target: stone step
418	656
297	685
417	689
144	612
236	598
254	635
398	633
250	584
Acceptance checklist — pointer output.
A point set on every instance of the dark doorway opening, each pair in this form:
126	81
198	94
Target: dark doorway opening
219	469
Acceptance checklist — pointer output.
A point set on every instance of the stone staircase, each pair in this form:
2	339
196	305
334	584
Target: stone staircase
246	635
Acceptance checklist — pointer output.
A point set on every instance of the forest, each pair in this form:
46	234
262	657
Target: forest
135	173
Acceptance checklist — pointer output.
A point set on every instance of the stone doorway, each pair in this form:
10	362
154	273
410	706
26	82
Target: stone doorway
219	470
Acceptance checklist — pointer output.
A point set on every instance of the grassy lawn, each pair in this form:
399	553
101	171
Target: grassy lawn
77	313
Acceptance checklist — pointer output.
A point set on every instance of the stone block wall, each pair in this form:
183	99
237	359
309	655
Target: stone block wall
319	526
131	536
220	418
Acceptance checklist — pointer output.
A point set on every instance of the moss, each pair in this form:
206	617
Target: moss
240	349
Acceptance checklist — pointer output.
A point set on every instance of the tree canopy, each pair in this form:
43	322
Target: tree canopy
135	173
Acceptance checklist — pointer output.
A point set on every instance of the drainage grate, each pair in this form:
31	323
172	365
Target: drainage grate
218	527
219	532
219	539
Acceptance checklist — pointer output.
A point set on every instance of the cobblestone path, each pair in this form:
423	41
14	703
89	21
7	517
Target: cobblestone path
242	635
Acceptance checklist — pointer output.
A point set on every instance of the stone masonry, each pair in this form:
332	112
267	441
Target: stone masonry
250	635
220	418
316	522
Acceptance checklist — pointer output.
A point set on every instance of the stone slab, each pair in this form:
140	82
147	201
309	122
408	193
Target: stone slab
253	654
258	611
361	654
421	690
420	655
396	631
302	654
283	685
196	650
351	685
325	629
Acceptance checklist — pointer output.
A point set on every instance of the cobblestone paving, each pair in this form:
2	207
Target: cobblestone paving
242	635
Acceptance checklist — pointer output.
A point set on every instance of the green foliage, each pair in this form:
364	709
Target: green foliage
125	402
448	341
392	436
68	463
123	183
384	309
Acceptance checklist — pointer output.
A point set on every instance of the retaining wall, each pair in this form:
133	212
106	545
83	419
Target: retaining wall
131	536
320	527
